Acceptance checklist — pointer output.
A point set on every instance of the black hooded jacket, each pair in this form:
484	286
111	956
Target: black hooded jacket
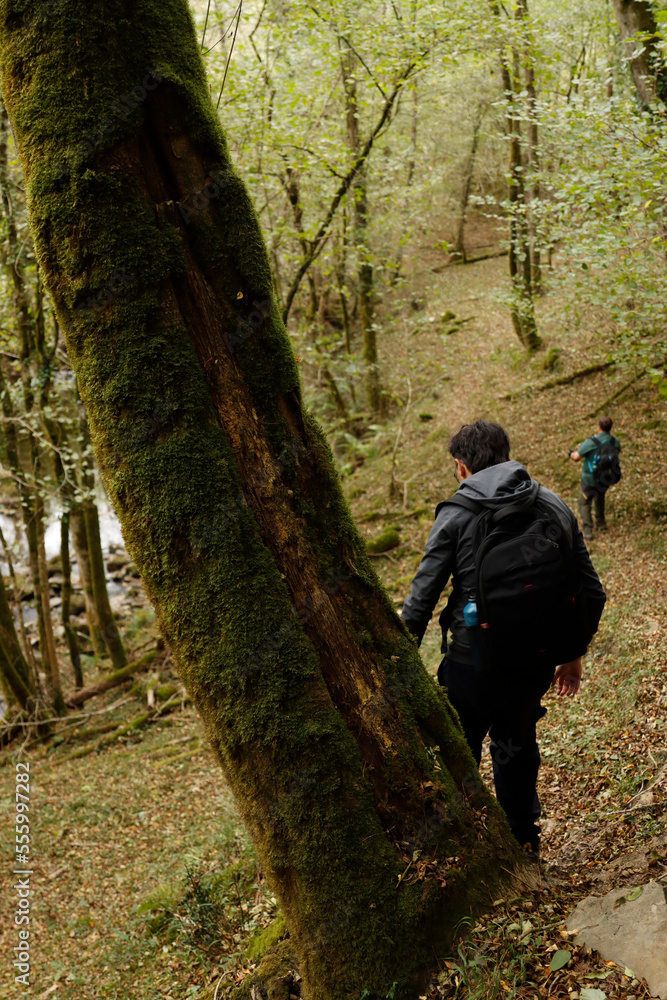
449	552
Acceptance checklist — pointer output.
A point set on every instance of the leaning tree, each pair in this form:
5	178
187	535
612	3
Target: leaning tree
348	764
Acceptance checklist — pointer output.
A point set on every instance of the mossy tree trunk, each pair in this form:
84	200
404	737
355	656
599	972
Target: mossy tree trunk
345	758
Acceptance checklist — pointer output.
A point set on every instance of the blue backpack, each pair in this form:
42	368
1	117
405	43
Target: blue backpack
606	467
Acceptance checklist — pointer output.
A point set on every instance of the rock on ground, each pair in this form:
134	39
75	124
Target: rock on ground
628	926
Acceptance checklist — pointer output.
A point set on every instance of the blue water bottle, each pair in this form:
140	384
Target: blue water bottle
470	615
471	619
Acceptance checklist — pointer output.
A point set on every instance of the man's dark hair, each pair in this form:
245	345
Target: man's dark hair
480	445
605	424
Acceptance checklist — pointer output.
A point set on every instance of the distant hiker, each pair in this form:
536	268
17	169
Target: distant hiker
601	470
525	604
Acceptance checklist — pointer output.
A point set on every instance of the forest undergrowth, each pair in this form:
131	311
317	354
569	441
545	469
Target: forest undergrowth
146	884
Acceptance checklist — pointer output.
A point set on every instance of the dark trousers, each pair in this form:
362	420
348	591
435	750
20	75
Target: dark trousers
591	495
507	709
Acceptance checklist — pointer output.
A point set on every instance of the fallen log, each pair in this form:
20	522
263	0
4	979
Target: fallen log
619	392
112	681
561	380
469	260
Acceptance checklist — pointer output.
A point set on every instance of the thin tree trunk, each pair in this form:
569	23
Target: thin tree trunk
16	593
13	666
412	159
365	279
534	192
291	185
50	663
336	395
459	243
66	595
341	273
106	621
80	542
522	311
345	758
105	616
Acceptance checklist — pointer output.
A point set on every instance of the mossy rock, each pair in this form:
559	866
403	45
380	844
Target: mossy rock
388	539
163	692
263	940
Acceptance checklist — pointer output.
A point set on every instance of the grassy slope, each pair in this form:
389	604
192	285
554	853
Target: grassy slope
110	828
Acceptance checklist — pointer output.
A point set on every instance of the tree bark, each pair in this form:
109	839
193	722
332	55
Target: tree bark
344	757
639	33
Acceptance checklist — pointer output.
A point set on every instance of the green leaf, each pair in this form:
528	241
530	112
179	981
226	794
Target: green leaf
559	960
592	995
635	894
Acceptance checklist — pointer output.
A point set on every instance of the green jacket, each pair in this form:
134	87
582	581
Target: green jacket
587	451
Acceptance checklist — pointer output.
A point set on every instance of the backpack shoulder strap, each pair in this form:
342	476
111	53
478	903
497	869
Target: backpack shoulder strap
462	501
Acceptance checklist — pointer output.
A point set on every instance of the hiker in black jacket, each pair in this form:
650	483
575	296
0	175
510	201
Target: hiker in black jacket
505	702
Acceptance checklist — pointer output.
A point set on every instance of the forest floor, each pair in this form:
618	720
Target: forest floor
145	884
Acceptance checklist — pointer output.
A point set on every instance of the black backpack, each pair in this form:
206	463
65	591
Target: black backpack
530	602
606	464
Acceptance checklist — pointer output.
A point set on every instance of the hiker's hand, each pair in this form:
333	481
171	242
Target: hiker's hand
574	455
568	677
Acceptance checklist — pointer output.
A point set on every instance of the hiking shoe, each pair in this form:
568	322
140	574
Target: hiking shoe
587	533
601	527
531	852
